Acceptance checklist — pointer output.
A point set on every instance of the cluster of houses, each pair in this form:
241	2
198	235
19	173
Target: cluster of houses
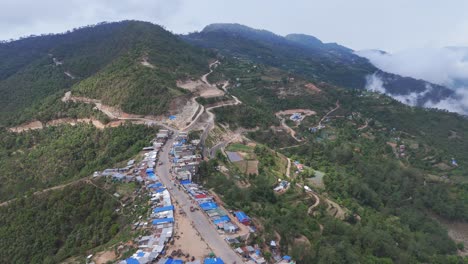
161	220
185	164
185	161
217	215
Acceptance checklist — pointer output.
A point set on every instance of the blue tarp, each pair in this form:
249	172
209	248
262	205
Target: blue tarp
208	206
140	254
222	219
184	182
152	175
177	261
172	117
150	170
155	185
163	221
132	261
241	216
287	258
168	261
213	261
160	190
163	209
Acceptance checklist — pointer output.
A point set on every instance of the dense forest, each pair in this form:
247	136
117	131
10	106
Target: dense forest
38	159
55	225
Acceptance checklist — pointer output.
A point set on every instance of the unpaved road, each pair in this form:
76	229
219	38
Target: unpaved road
199	220
331	111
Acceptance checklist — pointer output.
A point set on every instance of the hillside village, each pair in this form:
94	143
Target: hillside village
177	149
160	226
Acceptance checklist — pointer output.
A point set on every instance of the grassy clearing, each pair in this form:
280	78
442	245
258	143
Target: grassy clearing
239	147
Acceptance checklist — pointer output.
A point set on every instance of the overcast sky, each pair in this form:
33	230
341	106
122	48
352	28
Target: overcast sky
390	25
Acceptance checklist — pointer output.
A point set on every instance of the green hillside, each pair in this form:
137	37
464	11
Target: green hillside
35	160
51	227
34	68
396	195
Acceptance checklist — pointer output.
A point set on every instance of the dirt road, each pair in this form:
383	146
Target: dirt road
331	111
198	219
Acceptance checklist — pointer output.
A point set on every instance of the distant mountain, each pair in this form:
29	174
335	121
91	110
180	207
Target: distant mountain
101	61
308	56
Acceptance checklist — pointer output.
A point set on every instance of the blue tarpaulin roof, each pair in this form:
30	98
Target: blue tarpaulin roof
140	254
160	190
177	261
168	261
213	261
155	185
172	117
149	170
185	182
208	206
287	258
241	216
132	261
163	209
163	221
222	219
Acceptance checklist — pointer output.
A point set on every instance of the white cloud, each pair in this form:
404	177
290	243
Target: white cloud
444	66
375	84
25	17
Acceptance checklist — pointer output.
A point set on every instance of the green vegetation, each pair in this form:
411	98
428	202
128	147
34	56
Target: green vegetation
105	61
53	108
131	86
58	224
392	194
42	158
239	147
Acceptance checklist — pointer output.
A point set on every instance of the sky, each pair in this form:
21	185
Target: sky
392	26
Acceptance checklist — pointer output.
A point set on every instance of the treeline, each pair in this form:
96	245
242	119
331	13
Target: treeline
39	159
51	227
53	108
244	116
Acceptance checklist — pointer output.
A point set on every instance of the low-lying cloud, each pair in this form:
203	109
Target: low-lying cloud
443	66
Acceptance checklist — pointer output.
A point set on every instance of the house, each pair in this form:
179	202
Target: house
213	261
184	175
242	217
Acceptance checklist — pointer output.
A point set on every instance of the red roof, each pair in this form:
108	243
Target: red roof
200	196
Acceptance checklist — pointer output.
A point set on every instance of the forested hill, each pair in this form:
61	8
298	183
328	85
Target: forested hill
36	67
309	57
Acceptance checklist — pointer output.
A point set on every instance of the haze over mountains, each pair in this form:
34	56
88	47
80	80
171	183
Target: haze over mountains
329	62
362	177
444	66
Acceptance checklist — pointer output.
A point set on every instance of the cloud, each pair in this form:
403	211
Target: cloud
375	84
25	17
444	66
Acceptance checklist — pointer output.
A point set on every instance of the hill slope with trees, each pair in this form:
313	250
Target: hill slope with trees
34	68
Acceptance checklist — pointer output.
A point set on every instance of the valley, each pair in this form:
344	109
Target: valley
224	143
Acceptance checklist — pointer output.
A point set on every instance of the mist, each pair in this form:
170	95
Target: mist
444	66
